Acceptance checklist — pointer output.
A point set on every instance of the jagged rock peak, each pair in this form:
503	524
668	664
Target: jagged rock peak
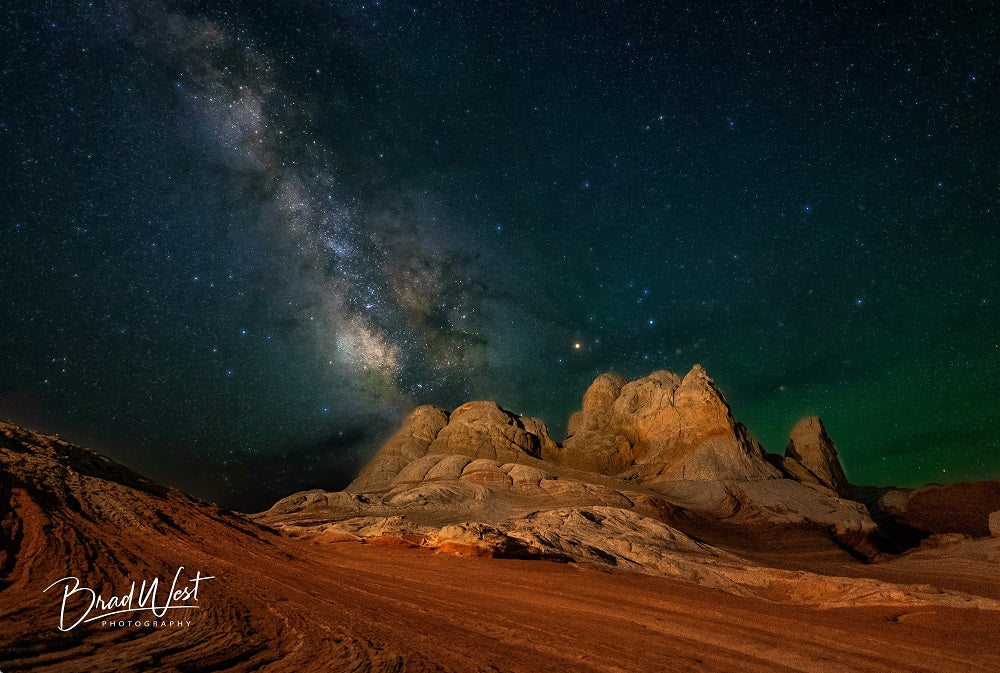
697	372
662	427
810	447
602	393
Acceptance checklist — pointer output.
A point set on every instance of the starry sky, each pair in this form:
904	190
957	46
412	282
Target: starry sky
239	241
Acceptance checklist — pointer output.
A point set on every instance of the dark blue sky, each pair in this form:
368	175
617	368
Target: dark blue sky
238	245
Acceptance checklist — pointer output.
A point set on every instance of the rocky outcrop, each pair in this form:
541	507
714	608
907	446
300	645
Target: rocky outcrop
963	507
661	446
597	402
811	457
484	430
592	443
410	442
474	430
611	537
654	430
662	428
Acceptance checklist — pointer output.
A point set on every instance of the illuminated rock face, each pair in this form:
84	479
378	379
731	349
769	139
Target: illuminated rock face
662	428
658	429
475	430
811	448
663	445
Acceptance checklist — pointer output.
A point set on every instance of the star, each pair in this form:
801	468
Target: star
353	230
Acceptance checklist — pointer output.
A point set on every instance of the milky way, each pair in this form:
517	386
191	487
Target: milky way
239	244
386	304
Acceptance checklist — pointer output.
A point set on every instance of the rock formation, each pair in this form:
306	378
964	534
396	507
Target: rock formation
475	430
590	444
657	478
661	428
963	507
662	446
657	429
811	456
409	443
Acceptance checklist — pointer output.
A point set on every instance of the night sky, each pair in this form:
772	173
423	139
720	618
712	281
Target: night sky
239	241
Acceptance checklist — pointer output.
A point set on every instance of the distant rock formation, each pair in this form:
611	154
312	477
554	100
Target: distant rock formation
963	507
811	456
658	428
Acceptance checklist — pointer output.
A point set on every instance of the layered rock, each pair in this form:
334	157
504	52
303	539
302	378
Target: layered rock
410	442
442	488
661	446
811	456
484	430
963	507
475	430
662	428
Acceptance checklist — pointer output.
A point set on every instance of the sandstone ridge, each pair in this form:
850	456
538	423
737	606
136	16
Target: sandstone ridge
658	428
663	447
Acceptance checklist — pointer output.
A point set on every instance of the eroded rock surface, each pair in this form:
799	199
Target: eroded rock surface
811	456
662	428
663	445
